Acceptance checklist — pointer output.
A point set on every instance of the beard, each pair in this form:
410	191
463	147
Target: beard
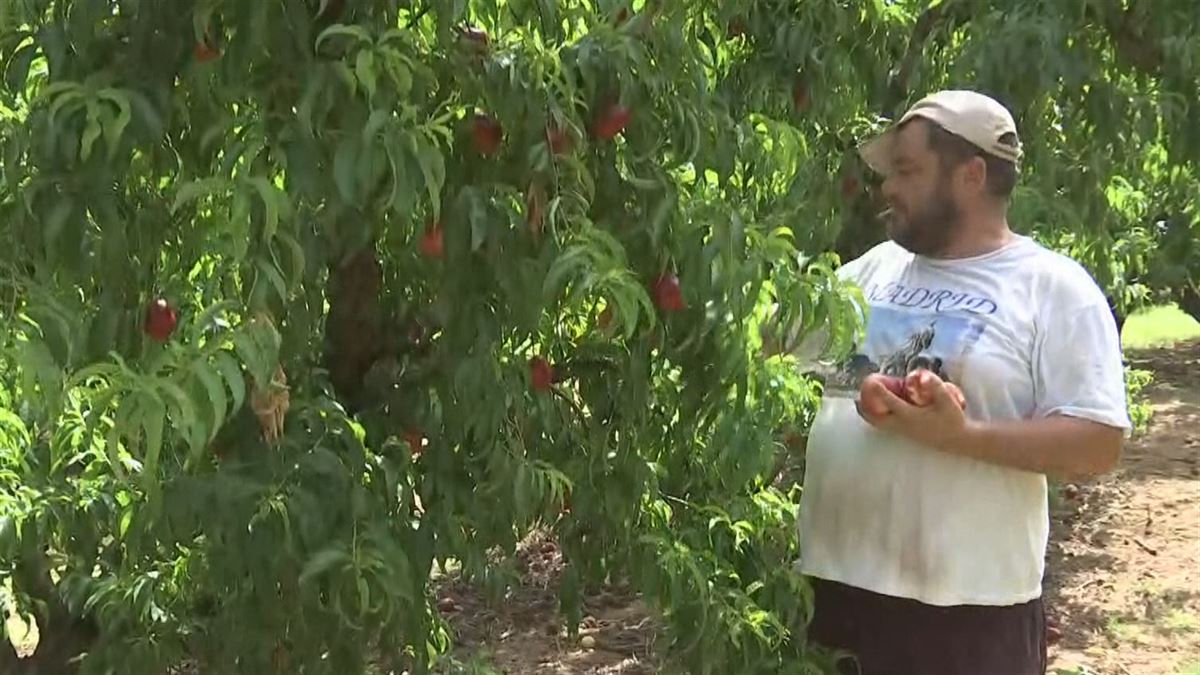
929	230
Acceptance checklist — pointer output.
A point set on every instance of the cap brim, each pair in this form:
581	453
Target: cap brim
876	152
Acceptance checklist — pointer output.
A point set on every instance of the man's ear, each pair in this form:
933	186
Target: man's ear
972	175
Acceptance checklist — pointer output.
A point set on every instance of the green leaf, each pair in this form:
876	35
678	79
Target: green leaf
271	199
357	33
401	196
153	414
313	88
124	423
272	274
324	561
14	425
207	318
563	267
433	168
112	449
364	70
197	189
251	354
374	123
345	159
148	115
211	380
56	220
187	418
297	257
232	373
71	92
400	72
90	132
115	126
16	74
239	222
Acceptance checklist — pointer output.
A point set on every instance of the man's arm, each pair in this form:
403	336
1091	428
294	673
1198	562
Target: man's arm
1057	445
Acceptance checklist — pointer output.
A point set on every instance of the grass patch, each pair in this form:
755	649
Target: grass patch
1179	621
1157	327
1126	633
1189	668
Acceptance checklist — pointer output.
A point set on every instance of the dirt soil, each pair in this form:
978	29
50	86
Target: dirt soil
1123	570
526	635
1122	580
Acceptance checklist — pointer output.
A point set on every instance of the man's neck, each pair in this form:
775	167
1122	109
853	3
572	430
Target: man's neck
977	236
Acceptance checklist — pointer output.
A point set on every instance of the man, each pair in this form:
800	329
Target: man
924	529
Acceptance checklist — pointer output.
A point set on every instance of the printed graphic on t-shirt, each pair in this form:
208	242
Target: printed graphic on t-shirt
921	298
899	341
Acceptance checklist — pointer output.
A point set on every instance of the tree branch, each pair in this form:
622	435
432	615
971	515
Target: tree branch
898	84
1130	45
9	661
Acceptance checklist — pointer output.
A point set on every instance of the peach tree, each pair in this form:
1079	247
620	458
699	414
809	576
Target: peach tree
303	299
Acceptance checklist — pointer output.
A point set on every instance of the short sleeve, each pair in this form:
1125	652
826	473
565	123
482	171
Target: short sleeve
1079	370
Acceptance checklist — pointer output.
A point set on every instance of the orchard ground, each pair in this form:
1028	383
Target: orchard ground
1123	569
1123	578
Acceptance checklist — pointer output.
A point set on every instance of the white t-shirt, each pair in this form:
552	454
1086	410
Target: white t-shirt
1026	333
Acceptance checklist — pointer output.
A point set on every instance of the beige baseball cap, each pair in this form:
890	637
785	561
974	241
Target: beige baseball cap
978	118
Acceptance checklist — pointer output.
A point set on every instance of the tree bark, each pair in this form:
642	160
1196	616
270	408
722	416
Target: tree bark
1189	302
10	663
354	327
1118	316
62	635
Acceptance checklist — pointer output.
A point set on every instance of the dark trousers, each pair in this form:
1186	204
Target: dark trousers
898	636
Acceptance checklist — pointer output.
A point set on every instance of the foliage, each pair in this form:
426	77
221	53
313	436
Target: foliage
364	264
1140	410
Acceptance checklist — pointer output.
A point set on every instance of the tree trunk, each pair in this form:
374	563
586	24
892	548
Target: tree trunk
354	326
1118	316
1189	302
62	635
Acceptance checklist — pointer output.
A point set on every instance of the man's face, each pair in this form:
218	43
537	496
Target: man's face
925	215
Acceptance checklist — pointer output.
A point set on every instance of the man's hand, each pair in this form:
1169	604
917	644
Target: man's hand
1057	445
940	423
